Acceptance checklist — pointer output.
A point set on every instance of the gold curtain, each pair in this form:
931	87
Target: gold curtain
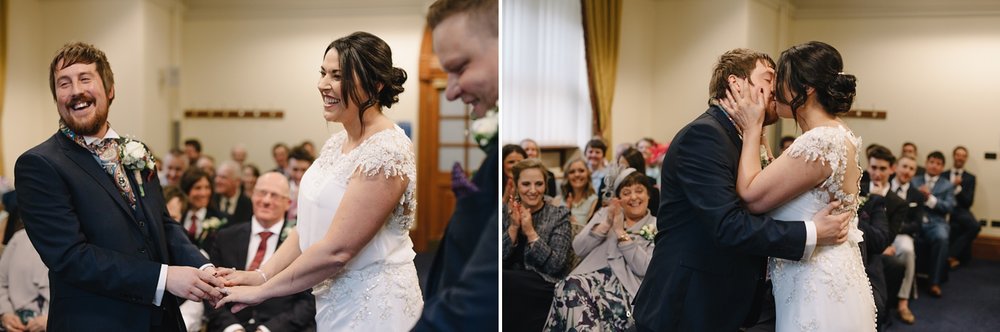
601	27
3	70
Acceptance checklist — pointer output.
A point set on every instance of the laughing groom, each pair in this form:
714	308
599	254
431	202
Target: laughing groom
93	209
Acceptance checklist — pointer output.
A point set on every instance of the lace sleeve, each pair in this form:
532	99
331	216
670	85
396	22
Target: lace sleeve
828	145
389	155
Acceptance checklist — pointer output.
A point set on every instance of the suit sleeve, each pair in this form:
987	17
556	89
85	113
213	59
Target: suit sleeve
182	251
876	228
587	240
552	254
964	199
946	200
709	183
54	228
471	304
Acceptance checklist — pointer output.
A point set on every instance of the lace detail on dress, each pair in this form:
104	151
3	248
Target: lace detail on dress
368	292
388	153
828	145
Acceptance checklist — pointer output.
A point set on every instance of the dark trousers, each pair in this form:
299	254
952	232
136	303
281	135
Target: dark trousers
964	229
526	300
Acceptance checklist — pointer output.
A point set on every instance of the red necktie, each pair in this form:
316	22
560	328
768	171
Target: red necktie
261	249
194	225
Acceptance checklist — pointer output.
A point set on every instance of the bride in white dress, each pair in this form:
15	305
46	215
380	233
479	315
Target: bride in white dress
356	204
828	291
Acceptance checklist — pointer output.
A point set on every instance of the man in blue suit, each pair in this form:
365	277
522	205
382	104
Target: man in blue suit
964	226
707	272
94	211
461	290
935	230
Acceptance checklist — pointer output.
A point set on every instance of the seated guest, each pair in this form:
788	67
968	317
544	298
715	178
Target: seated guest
902	248
531	150
176	202
511	154
200	219
632	158
192	149
940	196
299	161
206	164
577	193
238	154
280	154
964	226
652	153
249	178
228	198
24	286
536	245
308	146
909	149
595	151
786	141
247	246
874	224
616	247
176	163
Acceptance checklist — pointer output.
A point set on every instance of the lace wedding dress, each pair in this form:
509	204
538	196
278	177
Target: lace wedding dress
829	291
378	289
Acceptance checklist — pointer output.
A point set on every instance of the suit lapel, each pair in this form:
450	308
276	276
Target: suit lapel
243	243
85	160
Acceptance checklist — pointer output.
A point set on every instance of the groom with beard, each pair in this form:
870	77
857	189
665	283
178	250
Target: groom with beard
92	207
707	272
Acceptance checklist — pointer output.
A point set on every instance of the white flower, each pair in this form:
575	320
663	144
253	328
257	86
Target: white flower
483	129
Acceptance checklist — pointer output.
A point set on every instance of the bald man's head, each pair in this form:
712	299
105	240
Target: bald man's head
270	198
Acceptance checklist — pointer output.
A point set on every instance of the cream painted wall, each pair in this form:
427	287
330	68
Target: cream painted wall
936	78
633	106
126	32
274	63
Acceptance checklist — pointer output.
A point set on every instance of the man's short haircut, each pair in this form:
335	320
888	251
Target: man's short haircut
739	62
301	154
959	148
937	155
77	52
195	143
597	144
483	12
882	154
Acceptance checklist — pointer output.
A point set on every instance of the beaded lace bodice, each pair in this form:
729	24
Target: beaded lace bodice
828	145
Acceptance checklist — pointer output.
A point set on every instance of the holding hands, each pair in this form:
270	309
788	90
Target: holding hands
194	284
831	228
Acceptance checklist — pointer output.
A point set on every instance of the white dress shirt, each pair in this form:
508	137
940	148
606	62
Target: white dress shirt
272	242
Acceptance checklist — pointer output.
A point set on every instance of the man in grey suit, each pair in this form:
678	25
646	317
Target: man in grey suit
935	229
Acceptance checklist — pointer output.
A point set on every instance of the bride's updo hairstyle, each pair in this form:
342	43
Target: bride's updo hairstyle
366	63
818	65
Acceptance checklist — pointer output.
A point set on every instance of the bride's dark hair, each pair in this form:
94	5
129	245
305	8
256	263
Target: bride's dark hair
366	62
817	65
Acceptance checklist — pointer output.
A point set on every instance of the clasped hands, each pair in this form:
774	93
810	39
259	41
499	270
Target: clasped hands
215	285
520	222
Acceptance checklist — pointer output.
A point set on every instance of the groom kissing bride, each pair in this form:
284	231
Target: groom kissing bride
708	269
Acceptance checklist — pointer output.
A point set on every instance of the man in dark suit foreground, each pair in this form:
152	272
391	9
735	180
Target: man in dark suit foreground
707	270
246	246
94	211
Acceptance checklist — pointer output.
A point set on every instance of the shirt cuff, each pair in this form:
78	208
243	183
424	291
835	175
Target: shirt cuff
161	285
958	190
203	267
931	201
234	327
810	240
263	328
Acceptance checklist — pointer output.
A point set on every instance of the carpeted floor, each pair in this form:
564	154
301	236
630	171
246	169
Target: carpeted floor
971	302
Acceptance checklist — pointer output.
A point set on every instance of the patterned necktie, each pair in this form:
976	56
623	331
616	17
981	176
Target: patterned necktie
261	249
106	152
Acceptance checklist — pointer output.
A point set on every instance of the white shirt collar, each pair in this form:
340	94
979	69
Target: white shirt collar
256	227
110	134
885	190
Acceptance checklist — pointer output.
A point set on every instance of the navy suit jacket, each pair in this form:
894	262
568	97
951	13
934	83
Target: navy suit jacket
945	194
103	257
295	312
242	213
707	269
963	201
461	291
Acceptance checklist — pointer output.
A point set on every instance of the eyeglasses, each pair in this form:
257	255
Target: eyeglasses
265	194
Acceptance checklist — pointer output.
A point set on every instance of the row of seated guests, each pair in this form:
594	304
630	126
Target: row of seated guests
539	249
238	240
922	212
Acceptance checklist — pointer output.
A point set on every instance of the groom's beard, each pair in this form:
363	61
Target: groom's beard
84	127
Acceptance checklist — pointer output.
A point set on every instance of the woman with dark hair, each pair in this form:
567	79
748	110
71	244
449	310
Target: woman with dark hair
249	178
827	290
200	219
511	154
615	248
356	204
536	244
632	158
